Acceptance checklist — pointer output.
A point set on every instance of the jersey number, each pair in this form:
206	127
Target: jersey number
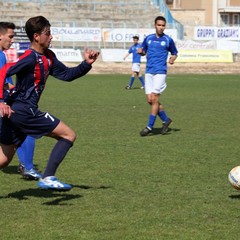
47	115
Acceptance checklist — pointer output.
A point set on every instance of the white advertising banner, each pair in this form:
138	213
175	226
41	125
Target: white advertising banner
68	55
194	45
234	46
76	34
215	33
117	55
126	34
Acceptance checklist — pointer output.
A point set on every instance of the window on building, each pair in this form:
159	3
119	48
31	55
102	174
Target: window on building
236	20
169	1
224	19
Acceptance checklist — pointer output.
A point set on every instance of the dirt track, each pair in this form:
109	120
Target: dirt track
100	67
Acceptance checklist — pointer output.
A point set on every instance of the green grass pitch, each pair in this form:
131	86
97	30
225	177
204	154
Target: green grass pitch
127	187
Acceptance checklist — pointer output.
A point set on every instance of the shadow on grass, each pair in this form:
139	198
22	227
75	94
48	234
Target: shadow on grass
235	196
157	131
57	197
135	88
88	187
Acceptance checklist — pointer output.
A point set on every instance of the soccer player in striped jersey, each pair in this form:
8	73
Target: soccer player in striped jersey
22	117
136	62
156	47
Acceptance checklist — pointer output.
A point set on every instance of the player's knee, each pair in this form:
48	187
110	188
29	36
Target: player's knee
4	163
72	136
6	155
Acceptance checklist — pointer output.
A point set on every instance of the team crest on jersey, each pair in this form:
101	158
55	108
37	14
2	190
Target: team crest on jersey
163	43
149	42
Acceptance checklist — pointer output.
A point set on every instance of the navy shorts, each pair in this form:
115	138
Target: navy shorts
9	134
27	120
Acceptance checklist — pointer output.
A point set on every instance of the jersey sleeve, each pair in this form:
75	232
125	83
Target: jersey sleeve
172	47
62	72
130	50
144	45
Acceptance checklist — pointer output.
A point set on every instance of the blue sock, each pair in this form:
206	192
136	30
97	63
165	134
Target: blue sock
57	155
131	81
142	81
26	151
163	116
151	121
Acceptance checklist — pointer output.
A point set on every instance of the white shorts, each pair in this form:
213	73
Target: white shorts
136	67
155	83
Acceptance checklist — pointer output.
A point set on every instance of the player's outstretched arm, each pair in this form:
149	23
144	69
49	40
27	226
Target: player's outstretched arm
90	55
124	58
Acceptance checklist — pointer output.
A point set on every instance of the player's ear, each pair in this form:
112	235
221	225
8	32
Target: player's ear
36	36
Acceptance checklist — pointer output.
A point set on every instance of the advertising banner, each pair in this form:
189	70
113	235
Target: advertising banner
116	55
216	33
126	34
68	55
11	54
195	45
76	34
205	56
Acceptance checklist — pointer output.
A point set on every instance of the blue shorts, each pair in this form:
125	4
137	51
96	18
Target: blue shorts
27	120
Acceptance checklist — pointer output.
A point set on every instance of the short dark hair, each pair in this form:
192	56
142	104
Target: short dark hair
160	18
136	37
36	25
4	26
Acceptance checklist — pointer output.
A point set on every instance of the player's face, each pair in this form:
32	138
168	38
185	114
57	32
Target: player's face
160	27
135	41
7	39
45	37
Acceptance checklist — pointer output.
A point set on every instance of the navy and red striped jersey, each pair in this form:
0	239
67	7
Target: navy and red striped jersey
32	70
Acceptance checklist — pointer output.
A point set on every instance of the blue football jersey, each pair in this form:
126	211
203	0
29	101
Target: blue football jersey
136	58
157	50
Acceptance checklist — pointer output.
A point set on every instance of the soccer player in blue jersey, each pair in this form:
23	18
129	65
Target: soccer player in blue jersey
22	116
136	62
26	150
157	47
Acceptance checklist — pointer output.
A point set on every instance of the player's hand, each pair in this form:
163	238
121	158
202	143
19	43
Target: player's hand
5	110
172	59
90	55
141	52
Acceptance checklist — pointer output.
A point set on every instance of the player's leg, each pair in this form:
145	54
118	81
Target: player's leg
165	119
9	140
153	100
134	69
44	124
132	78
25	155
154	85
140	77
148	90
6	154
65	137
